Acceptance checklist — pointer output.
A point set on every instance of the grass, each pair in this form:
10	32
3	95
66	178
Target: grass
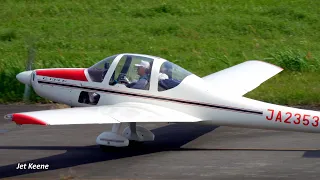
201	36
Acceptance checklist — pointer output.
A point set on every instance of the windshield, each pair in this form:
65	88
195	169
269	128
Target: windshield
99	70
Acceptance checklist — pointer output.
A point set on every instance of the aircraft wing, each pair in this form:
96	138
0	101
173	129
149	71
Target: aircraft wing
242	78
118	113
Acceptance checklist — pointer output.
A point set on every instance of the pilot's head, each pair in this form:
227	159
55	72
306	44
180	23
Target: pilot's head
143	67
166	68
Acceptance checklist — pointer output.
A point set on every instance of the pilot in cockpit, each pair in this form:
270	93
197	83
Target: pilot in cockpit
163	73
143	69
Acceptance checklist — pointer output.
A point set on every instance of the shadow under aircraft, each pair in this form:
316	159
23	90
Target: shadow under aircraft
169	138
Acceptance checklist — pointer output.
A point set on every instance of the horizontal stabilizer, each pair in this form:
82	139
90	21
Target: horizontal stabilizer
242	78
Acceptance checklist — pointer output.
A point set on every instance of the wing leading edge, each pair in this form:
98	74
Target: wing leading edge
242	78
118	113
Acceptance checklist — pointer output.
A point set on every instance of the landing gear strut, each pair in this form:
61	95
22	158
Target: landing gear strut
132	133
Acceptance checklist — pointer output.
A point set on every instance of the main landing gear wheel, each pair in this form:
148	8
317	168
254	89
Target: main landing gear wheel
132	136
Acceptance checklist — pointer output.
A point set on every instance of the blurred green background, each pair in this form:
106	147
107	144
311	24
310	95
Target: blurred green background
201	36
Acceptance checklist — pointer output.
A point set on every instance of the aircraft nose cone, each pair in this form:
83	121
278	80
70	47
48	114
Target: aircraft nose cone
24	77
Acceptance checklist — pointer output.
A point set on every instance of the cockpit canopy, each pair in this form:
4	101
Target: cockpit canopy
138	72
99	70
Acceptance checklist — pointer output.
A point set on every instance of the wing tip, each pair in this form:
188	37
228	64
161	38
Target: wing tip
25	119
281	69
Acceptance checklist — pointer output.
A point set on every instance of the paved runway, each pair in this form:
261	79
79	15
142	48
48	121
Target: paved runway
180	151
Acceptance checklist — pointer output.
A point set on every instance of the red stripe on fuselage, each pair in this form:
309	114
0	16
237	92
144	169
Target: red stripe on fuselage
72	74
25	119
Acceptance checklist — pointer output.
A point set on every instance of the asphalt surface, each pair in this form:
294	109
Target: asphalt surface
180	151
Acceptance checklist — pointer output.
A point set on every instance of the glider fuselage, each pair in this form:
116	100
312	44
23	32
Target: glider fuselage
192	96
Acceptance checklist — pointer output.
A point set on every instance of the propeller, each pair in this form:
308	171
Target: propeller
9	127
12	128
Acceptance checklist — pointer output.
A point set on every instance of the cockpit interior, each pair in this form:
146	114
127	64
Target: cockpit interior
135	71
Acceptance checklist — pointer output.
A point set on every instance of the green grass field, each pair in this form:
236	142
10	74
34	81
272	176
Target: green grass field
201	36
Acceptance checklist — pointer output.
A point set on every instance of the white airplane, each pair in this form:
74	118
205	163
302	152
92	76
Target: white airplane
133	88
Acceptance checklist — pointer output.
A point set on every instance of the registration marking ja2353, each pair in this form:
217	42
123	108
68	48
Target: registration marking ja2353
293	118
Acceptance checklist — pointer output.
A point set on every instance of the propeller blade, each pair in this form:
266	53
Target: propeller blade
2	131
10	127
